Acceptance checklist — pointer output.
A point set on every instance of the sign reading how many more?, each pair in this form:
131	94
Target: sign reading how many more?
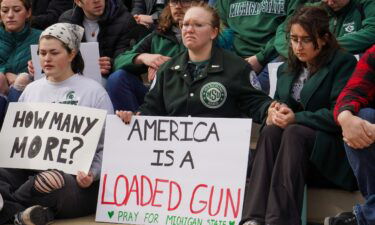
50	136
174	171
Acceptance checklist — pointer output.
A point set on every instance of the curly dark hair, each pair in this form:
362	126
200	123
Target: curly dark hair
315	21
165	18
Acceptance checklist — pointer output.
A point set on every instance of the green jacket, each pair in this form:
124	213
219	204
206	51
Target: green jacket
254	24
15	49
154	43
353	25
222	90
318	98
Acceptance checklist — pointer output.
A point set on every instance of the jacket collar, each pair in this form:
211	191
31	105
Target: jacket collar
312	86
215	64
169	34
16	36
315	81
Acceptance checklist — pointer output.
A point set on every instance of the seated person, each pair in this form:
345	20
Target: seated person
37	197
184	85
125	87
254	25
355	113
106	22
16	36
300	135
351	21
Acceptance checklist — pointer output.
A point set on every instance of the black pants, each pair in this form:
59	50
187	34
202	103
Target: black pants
274	193
17	189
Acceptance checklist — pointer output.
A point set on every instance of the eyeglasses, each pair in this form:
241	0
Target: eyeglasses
195	26
302	40
183	3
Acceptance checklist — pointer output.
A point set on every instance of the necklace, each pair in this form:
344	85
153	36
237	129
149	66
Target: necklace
91	28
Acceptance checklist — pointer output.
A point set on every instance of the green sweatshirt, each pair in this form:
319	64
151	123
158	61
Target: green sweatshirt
15	49
154	43
353	25
254	24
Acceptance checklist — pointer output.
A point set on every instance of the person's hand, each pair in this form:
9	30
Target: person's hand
11	77
126	116
105	65
151	73
255	65
151	60
357	133
84	180
271	112
145	20
283	117
30	68
274	107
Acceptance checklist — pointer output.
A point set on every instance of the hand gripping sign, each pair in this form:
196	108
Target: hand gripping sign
50	136
174	170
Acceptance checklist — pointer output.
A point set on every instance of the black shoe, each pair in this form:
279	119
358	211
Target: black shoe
345	218
34	215
1	202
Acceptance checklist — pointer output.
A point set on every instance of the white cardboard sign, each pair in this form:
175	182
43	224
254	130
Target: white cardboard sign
174	170
50	136
90	55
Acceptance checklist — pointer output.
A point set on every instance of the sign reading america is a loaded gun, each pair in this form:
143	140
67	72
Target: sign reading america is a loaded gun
174	171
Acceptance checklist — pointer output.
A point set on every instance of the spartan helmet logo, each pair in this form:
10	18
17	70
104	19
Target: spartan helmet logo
349	27
70	95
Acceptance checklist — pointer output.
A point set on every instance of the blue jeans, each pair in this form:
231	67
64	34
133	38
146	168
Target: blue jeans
126	90
362	162
264	77
14	94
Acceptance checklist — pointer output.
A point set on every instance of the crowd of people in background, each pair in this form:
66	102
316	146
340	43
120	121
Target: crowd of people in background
157	57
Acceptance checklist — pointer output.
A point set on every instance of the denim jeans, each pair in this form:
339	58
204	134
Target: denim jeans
126	90
362	162
264	77
14	94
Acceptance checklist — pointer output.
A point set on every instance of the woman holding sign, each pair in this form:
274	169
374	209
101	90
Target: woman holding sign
204	80
37	197
301	142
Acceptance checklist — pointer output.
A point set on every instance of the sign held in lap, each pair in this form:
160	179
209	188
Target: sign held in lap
50	136
174	170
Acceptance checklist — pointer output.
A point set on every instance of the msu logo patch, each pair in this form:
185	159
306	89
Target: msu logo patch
213	95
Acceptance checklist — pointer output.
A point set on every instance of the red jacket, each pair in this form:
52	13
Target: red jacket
359	92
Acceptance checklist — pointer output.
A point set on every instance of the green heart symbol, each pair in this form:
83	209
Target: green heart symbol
110	214
231	222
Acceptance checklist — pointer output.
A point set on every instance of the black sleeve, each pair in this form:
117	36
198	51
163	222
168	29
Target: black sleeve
50	13
130	34
139	7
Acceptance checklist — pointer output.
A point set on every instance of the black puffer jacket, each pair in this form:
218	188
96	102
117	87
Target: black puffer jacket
118	28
